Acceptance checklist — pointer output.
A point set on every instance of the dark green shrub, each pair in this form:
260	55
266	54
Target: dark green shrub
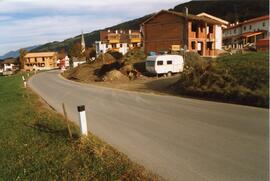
235	78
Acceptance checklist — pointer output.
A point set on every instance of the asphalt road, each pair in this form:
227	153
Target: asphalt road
177	138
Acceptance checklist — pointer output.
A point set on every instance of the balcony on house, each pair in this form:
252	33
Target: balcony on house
196	29
113	38
135	37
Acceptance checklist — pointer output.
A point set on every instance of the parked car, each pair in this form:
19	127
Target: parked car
164	64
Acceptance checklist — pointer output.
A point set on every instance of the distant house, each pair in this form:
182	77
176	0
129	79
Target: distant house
246	32
62	61
262	44
10	66
1	68
118	40
40	61
170	30
78	61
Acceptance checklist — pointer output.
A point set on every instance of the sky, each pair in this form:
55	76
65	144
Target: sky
26	23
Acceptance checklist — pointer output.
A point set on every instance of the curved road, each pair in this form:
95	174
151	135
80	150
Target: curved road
177	138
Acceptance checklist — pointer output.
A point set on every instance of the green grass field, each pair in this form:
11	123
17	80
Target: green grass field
238	78
34	144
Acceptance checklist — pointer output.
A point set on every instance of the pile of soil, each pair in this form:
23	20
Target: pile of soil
114	75
107	68
90	71
84	73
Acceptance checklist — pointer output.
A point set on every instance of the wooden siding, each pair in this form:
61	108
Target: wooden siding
163	31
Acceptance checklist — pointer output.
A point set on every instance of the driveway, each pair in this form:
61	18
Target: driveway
177	138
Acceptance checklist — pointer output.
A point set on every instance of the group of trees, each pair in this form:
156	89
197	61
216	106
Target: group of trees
76	51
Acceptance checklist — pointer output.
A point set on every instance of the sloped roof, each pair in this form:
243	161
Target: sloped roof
11	60
213	17
253	20
183	15
249	34
40	54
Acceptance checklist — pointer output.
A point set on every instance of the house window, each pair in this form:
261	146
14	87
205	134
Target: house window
263	24
160	62
234	31
245	28
211	29
169	62
250	27
121	45
209	45
43	59
193	44
35	59
193	27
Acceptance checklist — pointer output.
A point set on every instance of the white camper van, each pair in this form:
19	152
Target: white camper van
164	64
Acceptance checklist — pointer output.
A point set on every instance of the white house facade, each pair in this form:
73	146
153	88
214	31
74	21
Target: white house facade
104	47
248	31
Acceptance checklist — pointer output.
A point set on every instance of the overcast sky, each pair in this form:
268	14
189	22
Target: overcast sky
25	23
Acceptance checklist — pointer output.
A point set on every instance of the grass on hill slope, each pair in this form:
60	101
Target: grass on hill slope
239	78
34	144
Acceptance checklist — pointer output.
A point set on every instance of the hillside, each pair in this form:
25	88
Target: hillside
230	11
16	53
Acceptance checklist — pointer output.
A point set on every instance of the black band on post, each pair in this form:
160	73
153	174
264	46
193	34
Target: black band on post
81	108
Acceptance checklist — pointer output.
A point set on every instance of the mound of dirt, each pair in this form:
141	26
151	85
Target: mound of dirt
107	68
114	75
126	69
106	58
85	72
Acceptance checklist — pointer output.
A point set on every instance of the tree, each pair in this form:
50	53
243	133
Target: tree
23	52
76	50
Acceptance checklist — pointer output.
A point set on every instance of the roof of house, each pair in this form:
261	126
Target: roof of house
203	14
10	60
40	54
189	16
253	20
249	34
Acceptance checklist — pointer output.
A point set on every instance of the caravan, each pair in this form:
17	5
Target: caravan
164	64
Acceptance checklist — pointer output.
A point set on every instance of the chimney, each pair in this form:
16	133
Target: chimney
186	11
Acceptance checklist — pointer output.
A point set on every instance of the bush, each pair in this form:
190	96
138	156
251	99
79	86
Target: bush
133	56
238	78
117	55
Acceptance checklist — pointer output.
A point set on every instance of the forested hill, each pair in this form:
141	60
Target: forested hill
230	10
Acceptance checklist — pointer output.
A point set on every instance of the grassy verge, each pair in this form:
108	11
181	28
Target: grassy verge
34	144
239	78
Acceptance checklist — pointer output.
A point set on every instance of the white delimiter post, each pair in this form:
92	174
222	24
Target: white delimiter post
83	123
